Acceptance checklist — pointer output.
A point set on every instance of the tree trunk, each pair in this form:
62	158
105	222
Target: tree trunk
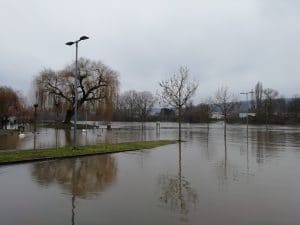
69	115
179	123
225	122
5	122
2	122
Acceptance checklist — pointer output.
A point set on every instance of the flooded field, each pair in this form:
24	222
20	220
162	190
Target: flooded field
205	180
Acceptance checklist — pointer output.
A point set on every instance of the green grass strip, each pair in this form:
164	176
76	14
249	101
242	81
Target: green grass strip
8	157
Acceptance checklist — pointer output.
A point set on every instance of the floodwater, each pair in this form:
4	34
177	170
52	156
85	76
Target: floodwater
204	180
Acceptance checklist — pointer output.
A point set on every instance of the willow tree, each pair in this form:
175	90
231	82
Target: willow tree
108	105
95	83
177	91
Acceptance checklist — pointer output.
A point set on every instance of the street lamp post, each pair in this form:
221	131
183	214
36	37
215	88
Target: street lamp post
35	116
246	93
76	85
34	129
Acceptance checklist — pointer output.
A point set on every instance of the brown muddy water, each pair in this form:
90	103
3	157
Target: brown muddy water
204	180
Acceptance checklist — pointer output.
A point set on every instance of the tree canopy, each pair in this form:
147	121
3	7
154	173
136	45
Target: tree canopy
177	91
96	83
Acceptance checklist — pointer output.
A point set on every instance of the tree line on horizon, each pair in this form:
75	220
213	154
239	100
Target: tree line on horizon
99	99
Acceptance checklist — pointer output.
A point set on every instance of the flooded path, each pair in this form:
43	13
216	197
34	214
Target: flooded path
205	180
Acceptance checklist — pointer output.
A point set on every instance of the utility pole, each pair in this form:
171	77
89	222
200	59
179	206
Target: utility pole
246	93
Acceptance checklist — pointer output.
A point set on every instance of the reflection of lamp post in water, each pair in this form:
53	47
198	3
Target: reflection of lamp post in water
73	181
34	128
57	120
76	84
35	116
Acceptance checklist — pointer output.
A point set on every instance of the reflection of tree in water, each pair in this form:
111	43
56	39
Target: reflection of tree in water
268	143
9	141
79	176
68	137
227	172
224	169
176	192
230	171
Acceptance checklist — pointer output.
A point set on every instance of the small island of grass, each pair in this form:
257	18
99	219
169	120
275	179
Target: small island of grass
9	157
67	126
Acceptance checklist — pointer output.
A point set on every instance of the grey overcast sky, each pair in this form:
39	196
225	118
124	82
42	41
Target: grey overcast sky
223	42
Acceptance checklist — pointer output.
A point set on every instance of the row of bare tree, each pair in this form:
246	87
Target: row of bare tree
98	96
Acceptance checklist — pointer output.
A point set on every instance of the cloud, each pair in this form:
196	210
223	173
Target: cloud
234	43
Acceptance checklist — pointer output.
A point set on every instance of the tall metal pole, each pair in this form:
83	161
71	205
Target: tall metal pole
76	96
34	129
76	86
247	114
247	111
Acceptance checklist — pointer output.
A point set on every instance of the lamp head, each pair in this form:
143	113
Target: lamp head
83	38
70	43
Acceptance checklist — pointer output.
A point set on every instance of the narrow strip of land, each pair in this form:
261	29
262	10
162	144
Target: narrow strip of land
65	152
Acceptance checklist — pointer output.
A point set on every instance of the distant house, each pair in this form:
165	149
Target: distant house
244	115
217	115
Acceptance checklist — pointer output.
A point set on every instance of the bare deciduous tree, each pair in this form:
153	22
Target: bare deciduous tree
135	105
145	103
226	102
127	106
177	91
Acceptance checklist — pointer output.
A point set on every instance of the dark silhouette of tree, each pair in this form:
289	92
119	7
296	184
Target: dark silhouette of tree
177	91
167	114
294	105
97	82
197	114
269	97
145	103
127	109
135	106
11	104
259	99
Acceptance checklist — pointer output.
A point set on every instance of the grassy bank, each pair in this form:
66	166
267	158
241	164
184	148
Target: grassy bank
66	126
65	152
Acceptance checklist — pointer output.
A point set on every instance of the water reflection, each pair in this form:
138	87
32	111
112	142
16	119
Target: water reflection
80	177
223	168
34	139
229	169
68	136
9	141
209	180
56	138
176	191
